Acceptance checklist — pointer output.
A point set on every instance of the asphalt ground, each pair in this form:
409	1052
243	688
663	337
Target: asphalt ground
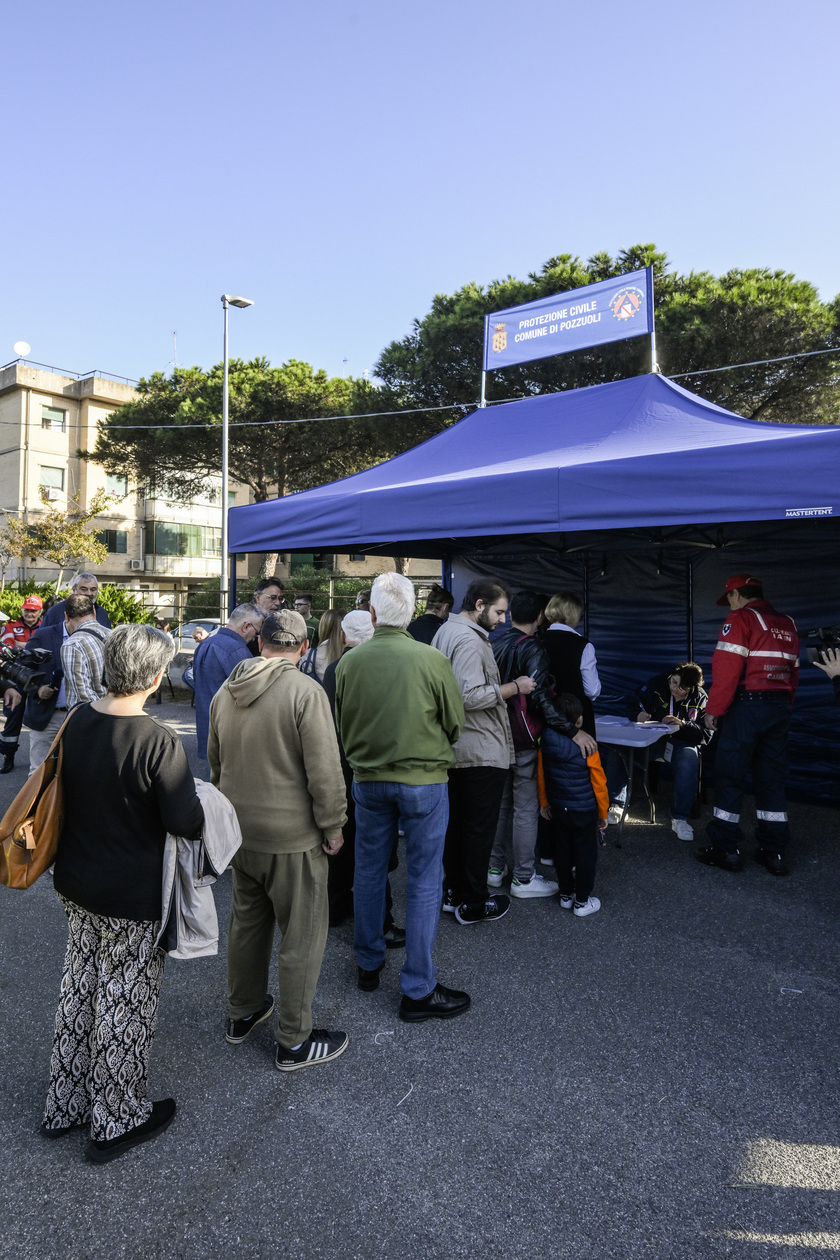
658	1080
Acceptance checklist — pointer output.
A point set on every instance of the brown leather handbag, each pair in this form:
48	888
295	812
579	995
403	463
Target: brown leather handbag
32	824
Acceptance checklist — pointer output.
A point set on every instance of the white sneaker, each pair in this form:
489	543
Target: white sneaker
590	906
566	903
536	886
682	829
496	876
614	813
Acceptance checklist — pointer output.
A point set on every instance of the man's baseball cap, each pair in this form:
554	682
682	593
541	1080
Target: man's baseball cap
284	629
739	579
33	601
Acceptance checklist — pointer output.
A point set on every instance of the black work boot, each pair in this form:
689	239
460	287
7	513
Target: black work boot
8	761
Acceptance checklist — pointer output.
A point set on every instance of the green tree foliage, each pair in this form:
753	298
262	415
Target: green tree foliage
121	605
270	458
702	321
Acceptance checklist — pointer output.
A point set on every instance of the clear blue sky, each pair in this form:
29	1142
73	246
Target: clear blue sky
340	163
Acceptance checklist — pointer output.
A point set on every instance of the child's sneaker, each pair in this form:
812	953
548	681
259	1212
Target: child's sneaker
583	908
566	900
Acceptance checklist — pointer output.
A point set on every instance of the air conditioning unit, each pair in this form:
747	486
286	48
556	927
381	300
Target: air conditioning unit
135	565
53	494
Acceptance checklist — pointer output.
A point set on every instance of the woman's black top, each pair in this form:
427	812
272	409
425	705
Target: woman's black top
564	654
126	784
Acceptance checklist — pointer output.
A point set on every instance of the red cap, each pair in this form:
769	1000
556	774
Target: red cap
33	601
740	579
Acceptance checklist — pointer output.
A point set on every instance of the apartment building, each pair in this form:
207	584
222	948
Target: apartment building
158	547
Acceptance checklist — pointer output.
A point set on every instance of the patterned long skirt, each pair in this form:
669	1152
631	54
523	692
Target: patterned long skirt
104	1024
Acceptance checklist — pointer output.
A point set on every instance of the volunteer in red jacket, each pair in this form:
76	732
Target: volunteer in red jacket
755	668
16	634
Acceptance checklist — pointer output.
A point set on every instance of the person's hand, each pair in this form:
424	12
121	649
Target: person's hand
711	721
525	684
46	692
830	664
585	743
332	846
12	698
671	719
641	716
545	812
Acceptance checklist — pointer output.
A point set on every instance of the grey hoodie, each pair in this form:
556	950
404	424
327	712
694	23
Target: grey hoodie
273	753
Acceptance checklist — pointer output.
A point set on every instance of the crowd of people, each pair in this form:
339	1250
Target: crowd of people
462	743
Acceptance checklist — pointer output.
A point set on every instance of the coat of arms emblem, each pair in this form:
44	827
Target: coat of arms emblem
499	338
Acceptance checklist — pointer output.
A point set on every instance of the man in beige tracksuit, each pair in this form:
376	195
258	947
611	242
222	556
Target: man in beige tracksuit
273	753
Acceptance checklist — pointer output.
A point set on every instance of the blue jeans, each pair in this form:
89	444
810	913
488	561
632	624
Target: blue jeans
422	813
685	766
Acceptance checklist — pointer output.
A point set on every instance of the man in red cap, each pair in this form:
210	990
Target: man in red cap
755	668
16	634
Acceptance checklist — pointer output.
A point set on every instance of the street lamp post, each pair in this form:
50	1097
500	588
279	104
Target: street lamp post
224	584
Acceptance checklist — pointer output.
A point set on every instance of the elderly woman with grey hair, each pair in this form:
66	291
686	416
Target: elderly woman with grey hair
126	784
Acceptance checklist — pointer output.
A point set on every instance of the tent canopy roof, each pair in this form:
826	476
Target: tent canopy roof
638	453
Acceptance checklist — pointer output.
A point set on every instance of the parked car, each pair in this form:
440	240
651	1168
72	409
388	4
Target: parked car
185	645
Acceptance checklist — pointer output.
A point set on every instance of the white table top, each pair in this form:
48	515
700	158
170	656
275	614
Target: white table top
613	729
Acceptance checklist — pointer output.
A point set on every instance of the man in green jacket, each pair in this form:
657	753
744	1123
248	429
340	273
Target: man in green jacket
273	753
399	710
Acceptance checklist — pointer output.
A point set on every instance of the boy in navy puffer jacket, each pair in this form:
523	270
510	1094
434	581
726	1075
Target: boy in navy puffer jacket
573	793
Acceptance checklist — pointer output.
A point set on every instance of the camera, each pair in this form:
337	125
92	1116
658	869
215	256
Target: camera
827	637
23	667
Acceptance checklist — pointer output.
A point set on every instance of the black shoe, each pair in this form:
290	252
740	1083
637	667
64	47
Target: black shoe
369	980
238	1029
449	905
713	856
441	1003
493	908
163	1113
775	862
395	937
320	1046
8	763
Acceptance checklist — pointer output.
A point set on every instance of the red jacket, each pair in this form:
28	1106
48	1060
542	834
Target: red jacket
17	633
758	648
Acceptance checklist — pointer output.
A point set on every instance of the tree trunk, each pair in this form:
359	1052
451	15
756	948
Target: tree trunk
401	564
269	564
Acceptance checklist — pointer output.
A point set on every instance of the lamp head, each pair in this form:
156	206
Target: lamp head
241	302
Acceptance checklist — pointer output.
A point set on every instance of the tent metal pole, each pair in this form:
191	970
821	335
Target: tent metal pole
483	402
654	366
690	593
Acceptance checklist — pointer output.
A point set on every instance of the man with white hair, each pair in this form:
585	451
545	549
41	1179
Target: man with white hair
398	711
216	658
81	584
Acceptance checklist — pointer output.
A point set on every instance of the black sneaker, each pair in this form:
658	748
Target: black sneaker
441	1003
238	1029
368	981
775	862
493	908
163	1113
449	905
395	937
319	1047
713	856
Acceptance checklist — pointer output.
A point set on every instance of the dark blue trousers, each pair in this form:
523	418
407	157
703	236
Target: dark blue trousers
11	731
752	737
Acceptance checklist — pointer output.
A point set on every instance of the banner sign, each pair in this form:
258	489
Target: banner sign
608	311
